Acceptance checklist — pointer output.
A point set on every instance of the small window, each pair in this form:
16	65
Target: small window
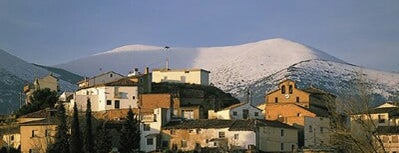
109	102
183	143
395	139
298	114
146	127
234	113
282	132
310	128
282	146
47	133
236	136
150	141
256	113
297	99
33	133
221	135
198	131
381	118
283	89
290	90
172	132
12	138
134	97
110	75
276	100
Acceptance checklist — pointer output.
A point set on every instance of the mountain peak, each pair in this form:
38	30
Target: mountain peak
135	47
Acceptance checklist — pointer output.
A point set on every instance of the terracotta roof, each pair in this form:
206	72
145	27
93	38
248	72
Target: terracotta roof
122	82
388	130
44	113
233	125
45	121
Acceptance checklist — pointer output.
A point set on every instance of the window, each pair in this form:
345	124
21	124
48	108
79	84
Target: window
283	89
256	113
236	136
298	114
381	118
146	127
110	75
297	99
172	132
276	100
290	89
188	114
12	138
385	139
47	133
150	141
221	135
183	143
245	113
109	102
33	133
310	128
198	131
282	132
117	104
134	97
394	139
282	146
234	113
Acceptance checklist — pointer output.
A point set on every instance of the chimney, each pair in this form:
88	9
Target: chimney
146	70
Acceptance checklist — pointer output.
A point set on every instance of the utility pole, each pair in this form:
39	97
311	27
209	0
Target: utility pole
167	59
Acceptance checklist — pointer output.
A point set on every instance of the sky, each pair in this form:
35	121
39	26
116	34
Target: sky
50	32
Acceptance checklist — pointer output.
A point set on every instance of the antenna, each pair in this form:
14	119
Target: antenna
167	59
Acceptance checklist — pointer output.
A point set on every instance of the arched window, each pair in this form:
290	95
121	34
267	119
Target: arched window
290	89
283	89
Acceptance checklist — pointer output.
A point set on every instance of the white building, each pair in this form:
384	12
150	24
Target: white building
151	127
192	76
237	111
100	79
120	94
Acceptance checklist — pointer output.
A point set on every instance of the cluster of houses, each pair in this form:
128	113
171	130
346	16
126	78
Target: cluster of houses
290	119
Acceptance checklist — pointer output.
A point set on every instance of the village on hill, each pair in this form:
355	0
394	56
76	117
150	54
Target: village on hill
178	110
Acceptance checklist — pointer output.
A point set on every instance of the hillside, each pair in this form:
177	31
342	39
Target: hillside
63	74
236	68
14	74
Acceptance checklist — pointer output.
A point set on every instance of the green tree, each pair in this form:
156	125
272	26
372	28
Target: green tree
130	134
40	99
103	141
76	140
61	142
89	142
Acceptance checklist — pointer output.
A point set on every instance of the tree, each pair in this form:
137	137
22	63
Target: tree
40	99
130	134
61	142
89	142
103	141
76	140
9	150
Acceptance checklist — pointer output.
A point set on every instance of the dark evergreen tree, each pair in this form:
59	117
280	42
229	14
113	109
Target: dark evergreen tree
61	142
89	142
103	140
130	134
76	139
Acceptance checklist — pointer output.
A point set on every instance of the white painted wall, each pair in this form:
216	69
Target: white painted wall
181	76
229	113
155	128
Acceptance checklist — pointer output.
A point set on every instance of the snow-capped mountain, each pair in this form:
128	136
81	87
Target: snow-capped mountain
259	66
14	74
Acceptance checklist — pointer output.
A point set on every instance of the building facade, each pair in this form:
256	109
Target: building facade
192	76
237	111
49	81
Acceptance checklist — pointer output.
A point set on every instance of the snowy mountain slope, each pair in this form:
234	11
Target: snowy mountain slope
337	78
14	74
235	68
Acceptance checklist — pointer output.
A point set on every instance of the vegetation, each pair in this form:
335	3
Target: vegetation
130	134
61	143
76	140
89	142
103	141
9	150
40	99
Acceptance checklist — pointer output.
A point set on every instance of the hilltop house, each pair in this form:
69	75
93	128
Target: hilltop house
308	108
118	94
264	135
49	81
192	76
100	79
237	111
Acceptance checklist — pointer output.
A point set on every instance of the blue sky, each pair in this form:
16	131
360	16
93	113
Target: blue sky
49	32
